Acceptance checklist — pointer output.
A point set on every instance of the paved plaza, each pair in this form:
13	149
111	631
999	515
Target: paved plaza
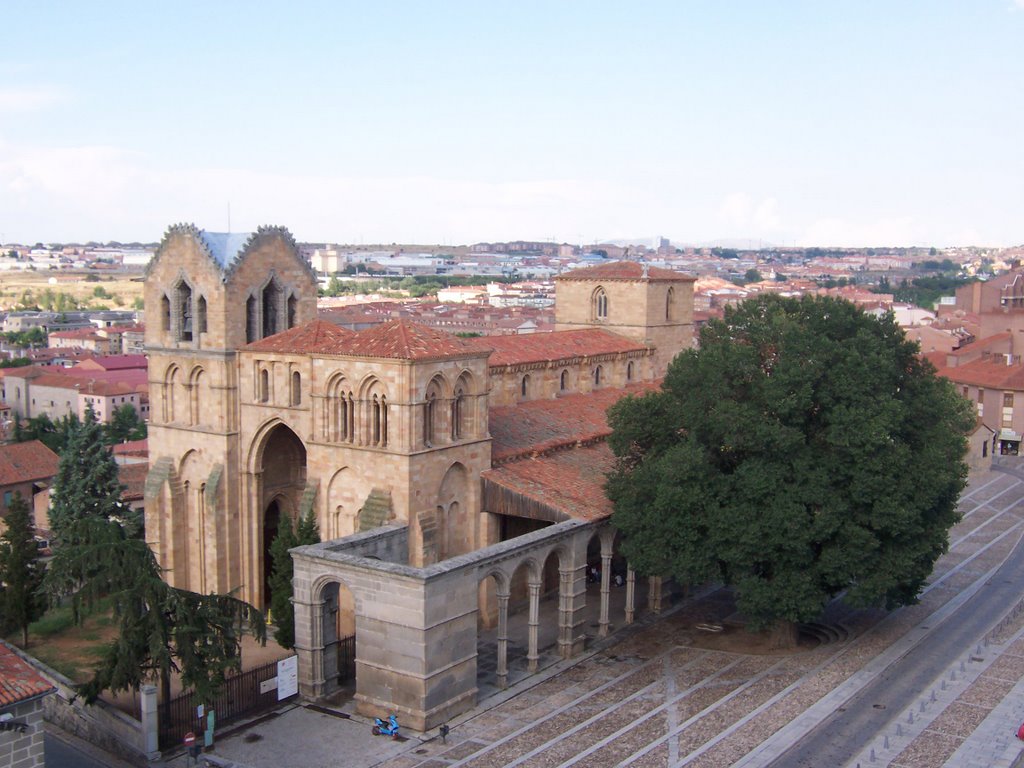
667	693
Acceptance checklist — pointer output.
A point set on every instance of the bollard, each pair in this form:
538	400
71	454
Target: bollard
885	743
910	720
943	685
899	729
922	706
933	694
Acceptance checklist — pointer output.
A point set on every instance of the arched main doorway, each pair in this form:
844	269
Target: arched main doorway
338	630
282	467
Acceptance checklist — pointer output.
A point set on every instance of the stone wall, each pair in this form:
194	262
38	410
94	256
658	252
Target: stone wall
24	749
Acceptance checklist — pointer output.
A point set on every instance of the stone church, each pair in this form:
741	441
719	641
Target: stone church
453	479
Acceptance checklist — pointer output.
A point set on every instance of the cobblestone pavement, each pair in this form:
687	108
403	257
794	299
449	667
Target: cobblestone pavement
669	694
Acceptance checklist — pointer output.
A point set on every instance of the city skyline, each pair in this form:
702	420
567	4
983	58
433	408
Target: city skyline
841	125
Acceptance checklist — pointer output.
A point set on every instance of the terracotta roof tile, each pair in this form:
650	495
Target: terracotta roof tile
544	425
132	448
133	478
557	345
403	340
989	372
624	270
315	337
19	681
25	462
570	481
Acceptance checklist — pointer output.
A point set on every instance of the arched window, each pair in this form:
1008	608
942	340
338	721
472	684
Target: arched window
201	315
379	421
629	371
599	303
597	376
563	381
428	419
252	320
296	388
165	314
271	309
293	304
264	393
458	408
524	387
183	305
669	304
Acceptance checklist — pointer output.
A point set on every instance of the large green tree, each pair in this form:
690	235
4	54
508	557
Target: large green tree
21	573
282	570
802	451
87	484
162	629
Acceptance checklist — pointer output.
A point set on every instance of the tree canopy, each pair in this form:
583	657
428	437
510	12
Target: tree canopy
803	450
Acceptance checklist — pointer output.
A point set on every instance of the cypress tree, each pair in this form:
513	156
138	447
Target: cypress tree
21	573
282	570
86	485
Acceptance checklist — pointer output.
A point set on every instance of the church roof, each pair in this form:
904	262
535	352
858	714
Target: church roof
570	482
534	427
625	270
557	345
315	337
403	340
224	247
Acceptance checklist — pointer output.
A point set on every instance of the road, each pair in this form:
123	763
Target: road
849	730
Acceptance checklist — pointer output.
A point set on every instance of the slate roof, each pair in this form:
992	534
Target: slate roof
315	337
539	426
625	270
558	345
19	681
224	247
26	462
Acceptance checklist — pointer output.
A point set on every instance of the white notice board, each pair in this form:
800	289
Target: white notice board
287	677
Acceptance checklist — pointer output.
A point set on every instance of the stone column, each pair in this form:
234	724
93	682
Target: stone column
606	591
566	606
309	646
502	669
630	596
149	724
533	656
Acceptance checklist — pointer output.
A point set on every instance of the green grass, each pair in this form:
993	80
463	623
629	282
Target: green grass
56	621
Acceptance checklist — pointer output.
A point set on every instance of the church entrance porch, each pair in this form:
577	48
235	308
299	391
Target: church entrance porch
425	650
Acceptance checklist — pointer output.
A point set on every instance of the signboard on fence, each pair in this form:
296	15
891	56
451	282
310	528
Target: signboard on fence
287	677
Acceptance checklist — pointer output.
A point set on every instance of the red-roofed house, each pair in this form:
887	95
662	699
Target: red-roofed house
22	690
26	468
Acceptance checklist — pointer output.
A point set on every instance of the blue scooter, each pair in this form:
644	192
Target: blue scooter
387	727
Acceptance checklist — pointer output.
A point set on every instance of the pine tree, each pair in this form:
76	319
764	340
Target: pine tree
21	573
282	570
86	485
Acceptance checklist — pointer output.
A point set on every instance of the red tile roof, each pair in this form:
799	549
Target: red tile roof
404	340
558	345
989	372
19	681
315	337
113	362
133	478
572	482
26	462
544	425
132	448
625	270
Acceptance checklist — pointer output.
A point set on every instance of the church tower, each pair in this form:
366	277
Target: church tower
651	305
207	295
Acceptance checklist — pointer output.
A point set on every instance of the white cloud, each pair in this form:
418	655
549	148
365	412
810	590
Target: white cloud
26	99
741	215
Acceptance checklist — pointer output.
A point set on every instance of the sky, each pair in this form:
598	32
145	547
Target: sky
840	123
